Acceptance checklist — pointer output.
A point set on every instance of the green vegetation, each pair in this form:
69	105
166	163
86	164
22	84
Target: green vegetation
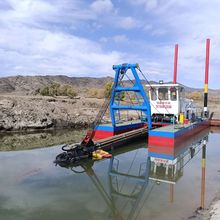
58	90
100	92
194	95
95	93
120	96
108	90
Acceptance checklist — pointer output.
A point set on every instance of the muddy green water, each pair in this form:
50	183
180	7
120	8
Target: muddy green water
124	187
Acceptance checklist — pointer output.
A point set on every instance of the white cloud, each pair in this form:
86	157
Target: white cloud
104	39
128	22
102	6
120	38
188	23
148	4
194	25
46	14
27	11
158	32
54	53
147	27
30	45
151	4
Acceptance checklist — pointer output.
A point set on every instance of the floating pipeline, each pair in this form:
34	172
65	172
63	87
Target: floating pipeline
76	152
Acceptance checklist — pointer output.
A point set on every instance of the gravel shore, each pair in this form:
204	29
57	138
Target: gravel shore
215	211
19	113
210	213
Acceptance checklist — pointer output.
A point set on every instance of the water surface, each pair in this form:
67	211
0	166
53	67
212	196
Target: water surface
40	139
128	186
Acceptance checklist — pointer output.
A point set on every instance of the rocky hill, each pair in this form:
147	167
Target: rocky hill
27	85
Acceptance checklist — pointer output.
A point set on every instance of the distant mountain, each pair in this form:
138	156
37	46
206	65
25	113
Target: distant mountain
30	84
6	86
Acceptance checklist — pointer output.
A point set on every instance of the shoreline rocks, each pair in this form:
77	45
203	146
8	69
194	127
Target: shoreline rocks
18	113
212	212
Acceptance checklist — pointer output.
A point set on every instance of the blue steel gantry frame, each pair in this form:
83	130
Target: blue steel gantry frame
120	71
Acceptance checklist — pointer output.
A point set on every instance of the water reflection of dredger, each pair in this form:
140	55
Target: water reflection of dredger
126	182
167	163
129	179
85	166
127	189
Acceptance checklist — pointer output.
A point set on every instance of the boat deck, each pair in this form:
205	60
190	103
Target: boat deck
171	134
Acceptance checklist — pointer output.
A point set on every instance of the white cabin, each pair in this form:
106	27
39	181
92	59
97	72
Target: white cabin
169	100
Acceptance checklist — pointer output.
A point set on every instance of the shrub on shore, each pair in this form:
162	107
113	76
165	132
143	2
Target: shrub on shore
108	89
95	93
194	95
58	90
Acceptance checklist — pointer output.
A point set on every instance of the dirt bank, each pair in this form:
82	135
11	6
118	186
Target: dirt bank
210	213
19	113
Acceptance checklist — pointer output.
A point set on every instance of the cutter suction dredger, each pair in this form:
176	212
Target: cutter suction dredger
159	111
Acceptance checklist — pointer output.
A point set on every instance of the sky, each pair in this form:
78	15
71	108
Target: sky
87	37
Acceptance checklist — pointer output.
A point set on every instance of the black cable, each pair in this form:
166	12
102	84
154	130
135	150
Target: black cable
133	85
152	88
131	100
